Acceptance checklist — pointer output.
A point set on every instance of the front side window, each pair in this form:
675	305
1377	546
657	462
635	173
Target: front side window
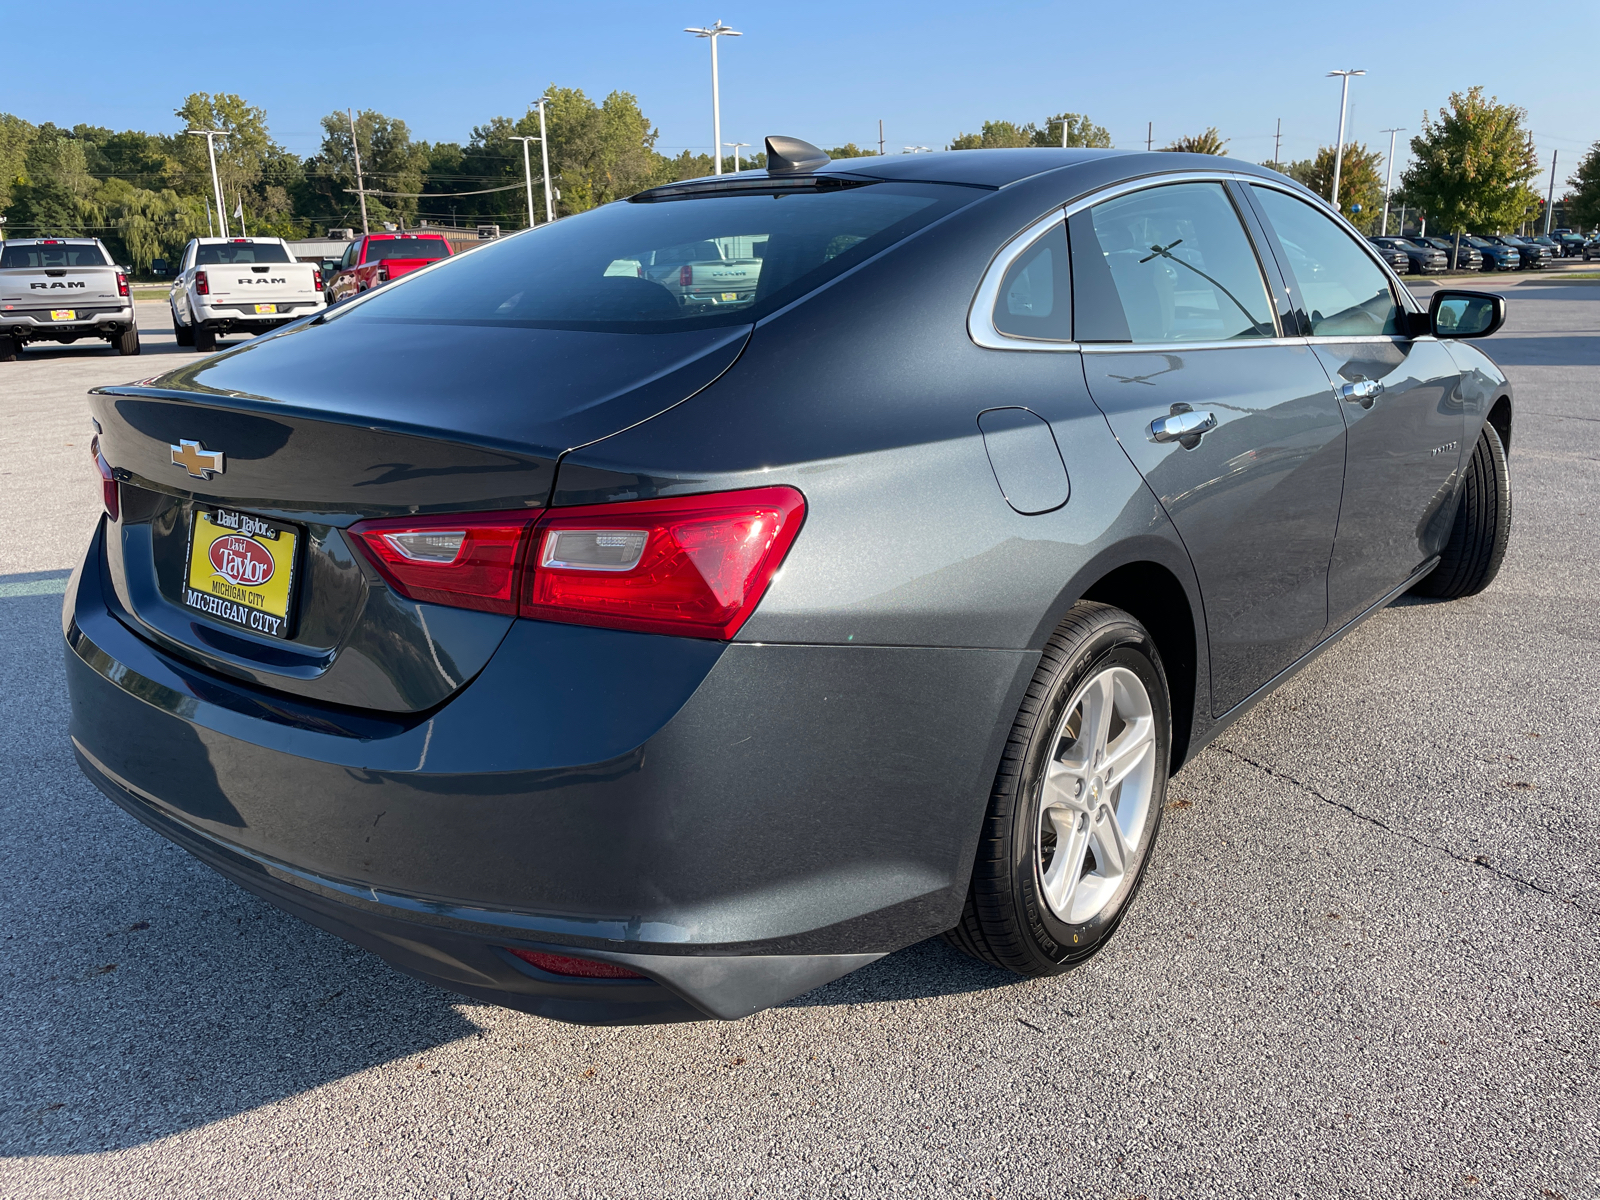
1344	292
1036	296
659	265
239	253
1167	264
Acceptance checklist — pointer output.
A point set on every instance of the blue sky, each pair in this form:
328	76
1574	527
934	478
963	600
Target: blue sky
825	71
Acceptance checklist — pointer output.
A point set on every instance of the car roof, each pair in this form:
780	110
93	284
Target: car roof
64	241
221	241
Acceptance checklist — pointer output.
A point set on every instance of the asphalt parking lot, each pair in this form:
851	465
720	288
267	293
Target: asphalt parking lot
1366	961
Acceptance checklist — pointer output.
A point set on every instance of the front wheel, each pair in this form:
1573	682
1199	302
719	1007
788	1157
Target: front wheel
1077	801
1477	546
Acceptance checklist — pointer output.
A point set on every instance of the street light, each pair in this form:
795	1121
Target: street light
527	174
544	158
1388	178
712	34
210	136
735	146
915	150
1338	153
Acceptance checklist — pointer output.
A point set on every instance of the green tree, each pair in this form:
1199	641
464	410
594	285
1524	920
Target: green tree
1081	131
1583	203
1209	142
1360	181
55	196
1472	168
390	162
241	156
996	135
848	150
16	136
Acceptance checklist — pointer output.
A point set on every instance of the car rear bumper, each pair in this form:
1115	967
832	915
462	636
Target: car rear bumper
36	324
223	317
738	824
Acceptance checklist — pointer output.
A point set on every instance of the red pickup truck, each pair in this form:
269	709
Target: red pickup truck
376	258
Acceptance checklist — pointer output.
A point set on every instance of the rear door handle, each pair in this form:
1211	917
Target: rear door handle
1181	427
1362	391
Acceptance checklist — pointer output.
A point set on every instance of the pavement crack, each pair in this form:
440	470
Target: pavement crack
1479	861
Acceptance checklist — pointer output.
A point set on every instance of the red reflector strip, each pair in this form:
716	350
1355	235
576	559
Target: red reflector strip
109	495
705	562
468	561
579	968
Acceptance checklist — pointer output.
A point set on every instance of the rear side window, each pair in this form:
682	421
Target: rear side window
429	248
1167	264
1344	293
669	264
237	253
1036	294
51	256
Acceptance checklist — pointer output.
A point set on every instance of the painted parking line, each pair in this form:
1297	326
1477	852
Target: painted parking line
56	586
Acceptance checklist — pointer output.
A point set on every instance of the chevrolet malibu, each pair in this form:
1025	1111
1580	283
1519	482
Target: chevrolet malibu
625	659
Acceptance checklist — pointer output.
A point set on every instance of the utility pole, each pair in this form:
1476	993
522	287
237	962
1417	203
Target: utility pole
1277	142
880	137
735	146
1063	131
1388	180
1149	134
544	158
361	188
1550	201
210	136
527	174
712	34
1338	153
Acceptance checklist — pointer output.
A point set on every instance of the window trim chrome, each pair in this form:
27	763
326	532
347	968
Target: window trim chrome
980	314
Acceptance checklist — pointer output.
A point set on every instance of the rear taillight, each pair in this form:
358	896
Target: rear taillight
462	561
122	284
685	276
109	495
694	566
579	968
201	283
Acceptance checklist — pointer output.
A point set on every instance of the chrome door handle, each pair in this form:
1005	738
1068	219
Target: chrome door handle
1363	391
1180	427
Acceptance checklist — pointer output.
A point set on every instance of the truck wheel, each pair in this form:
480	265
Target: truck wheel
9	348
128	342
184	334
205	339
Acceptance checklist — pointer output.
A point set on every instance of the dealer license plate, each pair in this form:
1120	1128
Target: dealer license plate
262	309
241	570
729	297
63	314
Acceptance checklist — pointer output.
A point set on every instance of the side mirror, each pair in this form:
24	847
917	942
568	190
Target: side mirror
1459	314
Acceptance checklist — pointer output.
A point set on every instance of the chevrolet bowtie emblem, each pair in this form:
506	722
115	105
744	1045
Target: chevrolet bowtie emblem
196	459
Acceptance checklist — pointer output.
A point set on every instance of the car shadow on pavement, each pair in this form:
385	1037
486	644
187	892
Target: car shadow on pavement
1548	350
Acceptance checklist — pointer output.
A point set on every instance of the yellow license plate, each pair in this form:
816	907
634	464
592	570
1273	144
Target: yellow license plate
63	314
241	570
729	297
262	309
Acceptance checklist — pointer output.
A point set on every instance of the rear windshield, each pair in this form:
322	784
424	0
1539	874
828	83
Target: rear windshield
407	248
230	253
665	265
52	256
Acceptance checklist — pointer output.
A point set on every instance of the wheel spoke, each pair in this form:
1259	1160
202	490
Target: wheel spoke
1098	703
1064	786
1066	868
1133	743
1111	850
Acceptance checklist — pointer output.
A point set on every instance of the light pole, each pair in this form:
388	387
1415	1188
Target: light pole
1338	153
712	34
916	150
210	136
1550	201
361	188
527	174
1388	178
735	147
544	158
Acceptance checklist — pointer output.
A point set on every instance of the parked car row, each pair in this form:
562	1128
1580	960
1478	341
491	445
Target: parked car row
1417	254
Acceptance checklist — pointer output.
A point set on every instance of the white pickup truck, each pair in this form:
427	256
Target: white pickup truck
709	274
240	285
60	290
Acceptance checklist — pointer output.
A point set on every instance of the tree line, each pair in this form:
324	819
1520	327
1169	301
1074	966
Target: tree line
146	194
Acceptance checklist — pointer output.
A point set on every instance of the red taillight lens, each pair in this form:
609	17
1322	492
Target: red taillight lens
463	561
201	283
580	968
109	494
696	566
685	276
122	284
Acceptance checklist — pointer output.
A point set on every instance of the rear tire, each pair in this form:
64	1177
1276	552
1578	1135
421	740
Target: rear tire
9	348
1478	538
205	339
184	334
128	342
1077	801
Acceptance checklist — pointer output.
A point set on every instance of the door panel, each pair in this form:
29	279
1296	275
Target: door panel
1405	448
1256	500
